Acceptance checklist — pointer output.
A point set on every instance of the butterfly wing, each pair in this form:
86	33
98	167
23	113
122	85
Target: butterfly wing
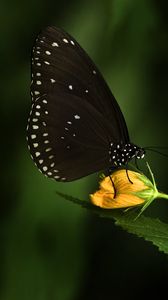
74	115
66	137
57	56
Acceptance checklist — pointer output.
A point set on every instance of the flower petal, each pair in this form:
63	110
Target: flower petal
125	191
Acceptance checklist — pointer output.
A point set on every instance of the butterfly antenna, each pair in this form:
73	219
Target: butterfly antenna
156	147
156	151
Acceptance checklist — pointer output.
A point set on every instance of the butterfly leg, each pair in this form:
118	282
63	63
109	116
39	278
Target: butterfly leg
128	174
109	174
136	164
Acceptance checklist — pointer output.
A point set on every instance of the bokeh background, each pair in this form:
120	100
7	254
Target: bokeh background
51	249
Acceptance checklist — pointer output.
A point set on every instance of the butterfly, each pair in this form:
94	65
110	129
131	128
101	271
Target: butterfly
75	126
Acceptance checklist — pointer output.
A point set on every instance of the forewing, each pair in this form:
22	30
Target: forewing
58	62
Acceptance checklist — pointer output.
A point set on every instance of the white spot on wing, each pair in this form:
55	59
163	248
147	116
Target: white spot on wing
54	44
36	92
77	117
35	145
37	154
51	156
48	149
35	127
45	168
49	173
65	41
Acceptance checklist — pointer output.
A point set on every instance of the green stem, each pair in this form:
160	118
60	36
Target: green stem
162	195
152	176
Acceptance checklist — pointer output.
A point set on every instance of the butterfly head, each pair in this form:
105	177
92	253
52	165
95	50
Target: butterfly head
139	153
134	151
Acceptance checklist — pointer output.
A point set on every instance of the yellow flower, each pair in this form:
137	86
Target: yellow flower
141	192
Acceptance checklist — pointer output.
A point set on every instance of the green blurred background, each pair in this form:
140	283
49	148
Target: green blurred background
50	248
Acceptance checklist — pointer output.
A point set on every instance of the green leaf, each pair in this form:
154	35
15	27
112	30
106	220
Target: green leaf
152	230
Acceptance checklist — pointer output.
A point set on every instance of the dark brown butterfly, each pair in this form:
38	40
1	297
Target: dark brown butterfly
76	126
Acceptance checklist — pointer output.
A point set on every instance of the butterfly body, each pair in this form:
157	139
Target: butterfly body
121	154
76	126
